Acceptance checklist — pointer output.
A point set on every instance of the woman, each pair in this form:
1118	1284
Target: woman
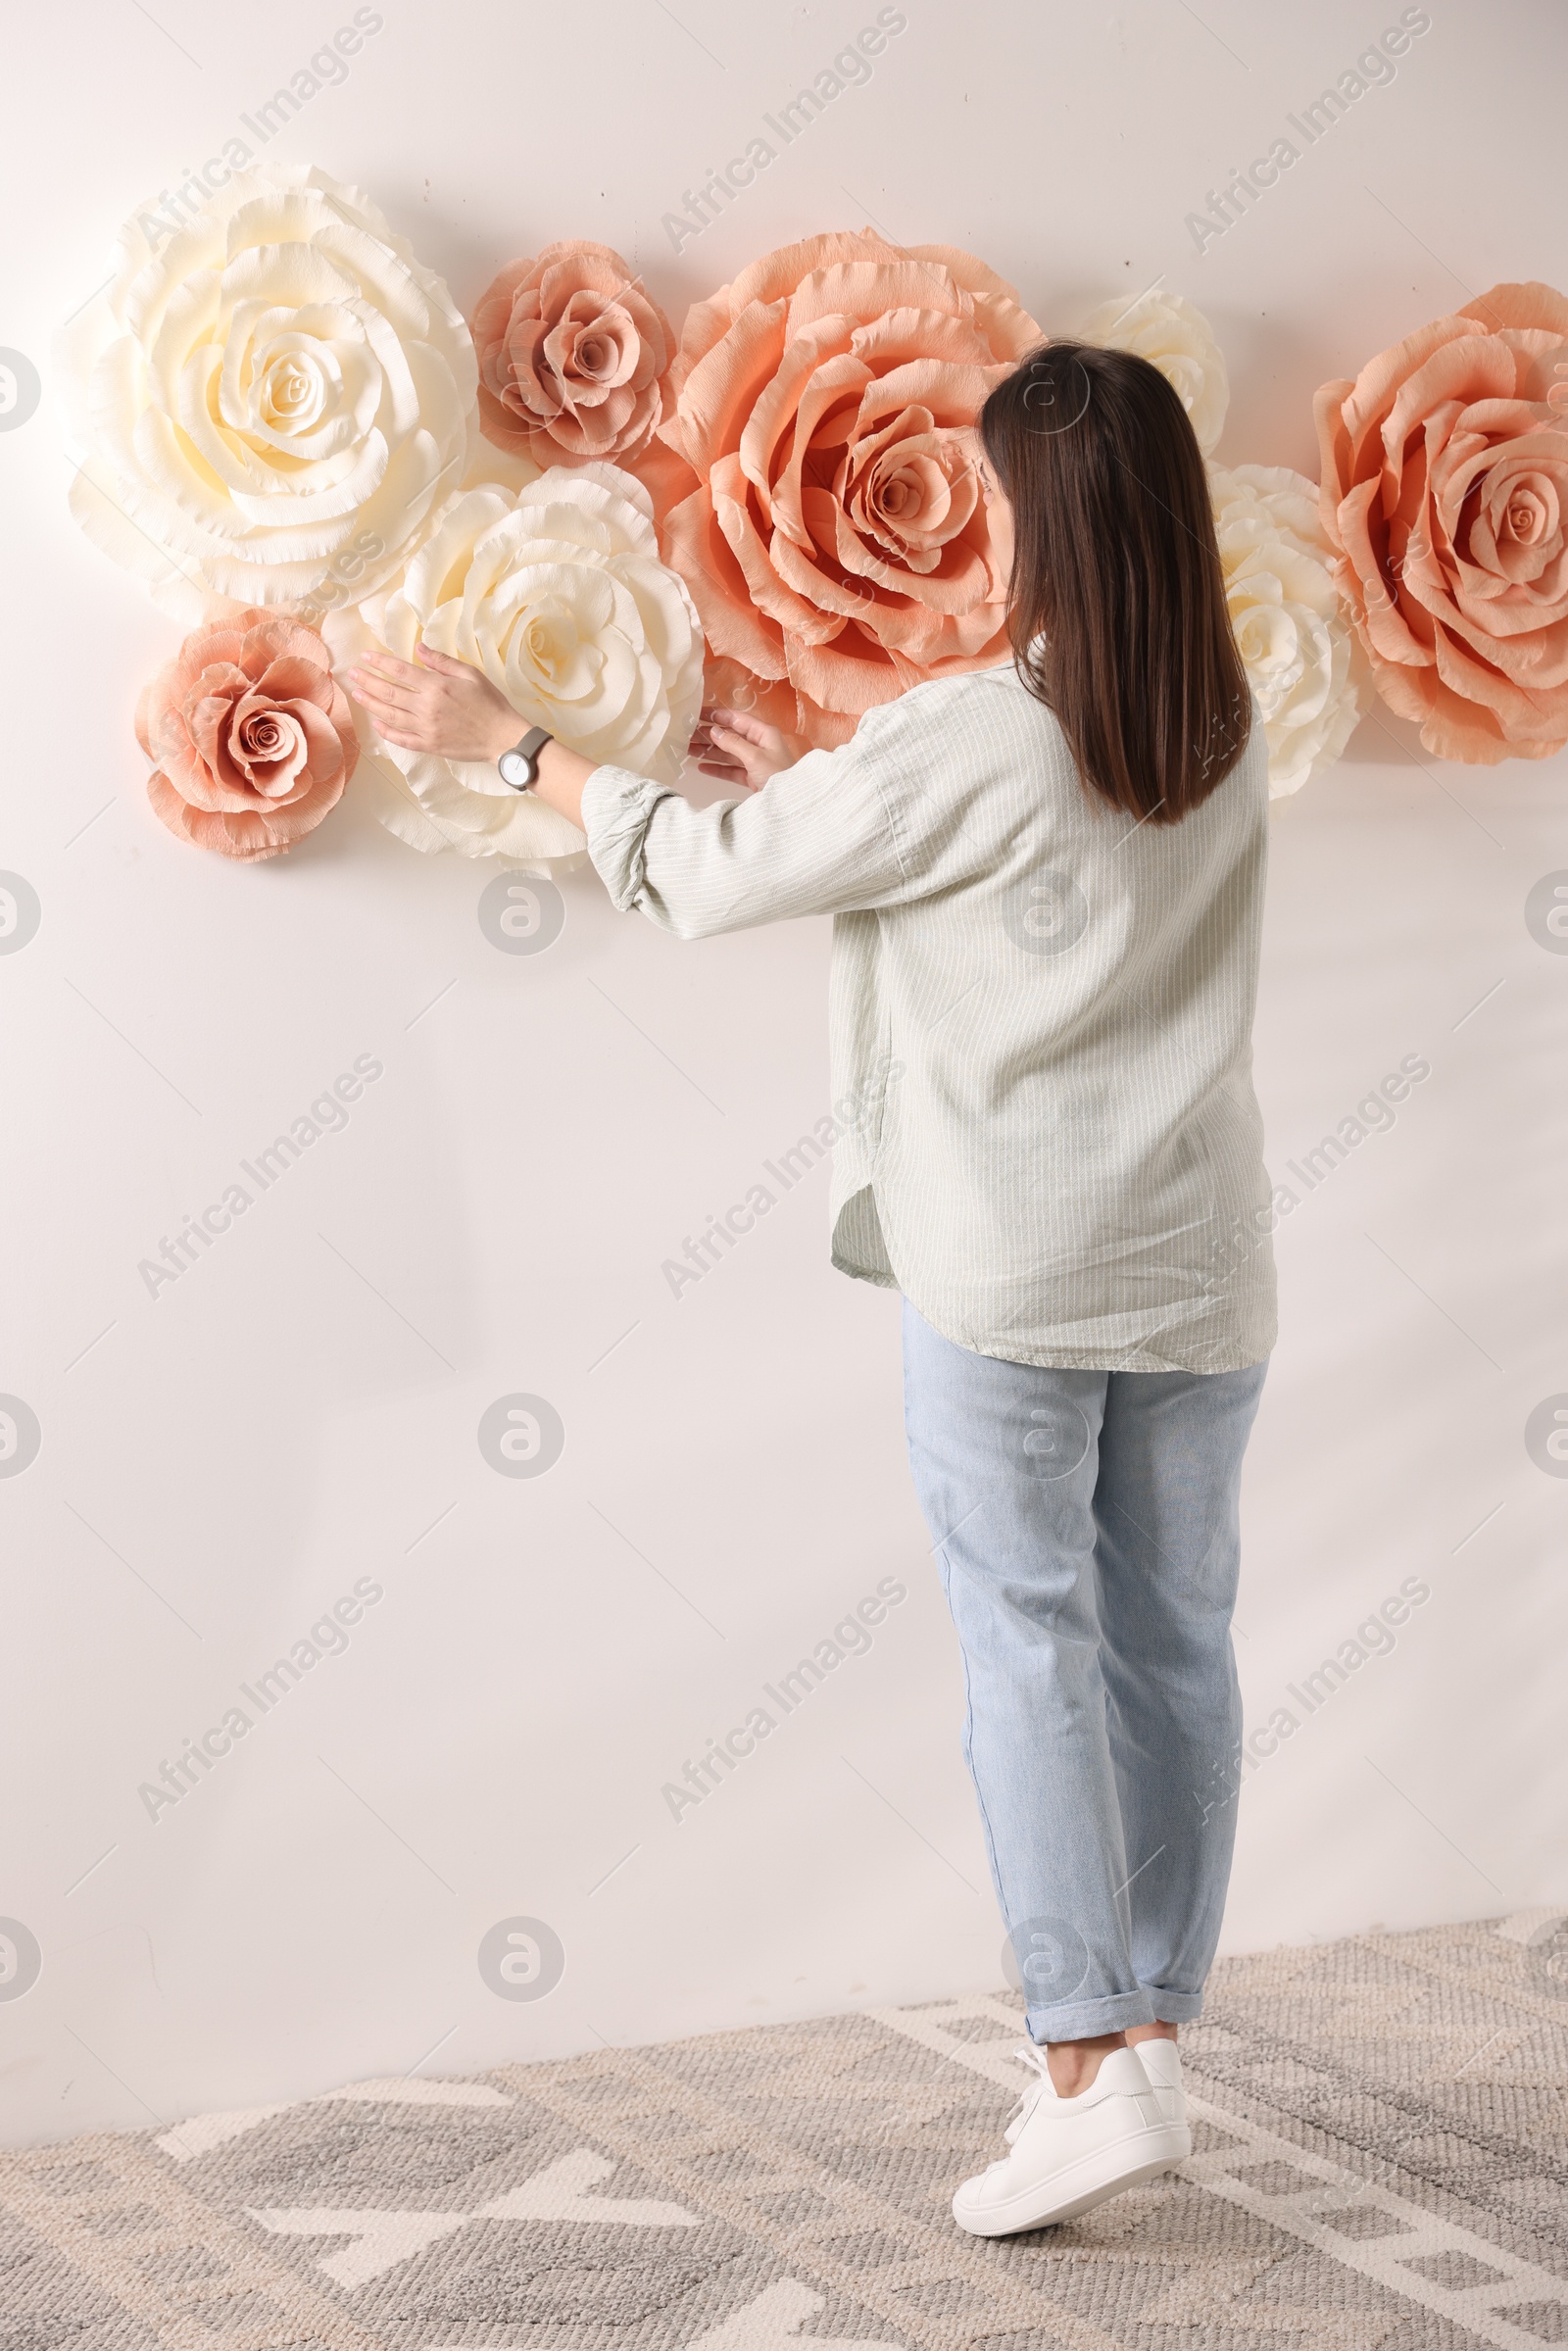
1047	880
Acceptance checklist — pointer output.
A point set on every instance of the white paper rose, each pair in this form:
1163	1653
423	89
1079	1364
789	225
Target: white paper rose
556	592
1302	659
271	400
1173	334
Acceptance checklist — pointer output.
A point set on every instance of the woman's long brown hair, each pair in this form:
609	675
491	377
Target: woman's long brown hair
1116	605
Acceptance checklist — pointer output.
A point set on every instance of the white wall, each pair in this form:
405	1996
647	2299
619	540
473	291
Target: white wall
220	1466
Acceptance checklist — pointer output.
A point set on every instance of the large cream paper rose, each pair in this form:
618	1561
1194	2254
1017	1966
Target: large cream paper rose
1174	336
841	545
1446	491
1302	662
271	400
556	592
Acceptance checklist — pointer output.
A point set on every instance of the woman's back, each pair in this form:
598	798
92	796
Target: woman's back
1058	1155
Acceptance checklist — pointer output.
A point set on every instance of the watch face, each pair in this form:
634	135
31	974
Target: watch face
515	770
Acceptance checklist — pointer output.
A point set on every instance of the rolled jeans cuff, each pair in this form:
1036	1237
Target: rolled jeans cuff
1083	2019
1175	2007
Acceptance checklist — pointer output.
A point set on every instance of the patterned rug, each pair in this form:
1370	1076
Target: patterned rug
1381	2164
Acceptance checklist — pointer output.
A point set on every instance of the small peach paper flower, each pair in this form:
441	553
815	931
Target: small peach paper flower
253	738
841	545
572	357
1445	488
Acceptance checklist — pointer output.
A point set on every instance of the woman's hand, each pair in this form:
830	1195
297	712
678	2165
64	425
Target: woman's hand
442	707
740	749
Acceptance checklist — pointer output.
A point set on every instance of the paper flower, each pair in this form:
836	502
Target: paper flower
272	398
253	738
840	543
1302	661
1174	336
557	593
1445	486
572	357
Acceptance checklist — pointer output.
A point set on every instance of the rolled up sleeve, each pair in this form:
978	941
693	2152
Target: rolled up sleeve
820	838
617	807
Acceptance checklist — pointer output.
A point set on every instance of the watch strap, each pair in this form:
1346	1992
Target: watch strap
524	756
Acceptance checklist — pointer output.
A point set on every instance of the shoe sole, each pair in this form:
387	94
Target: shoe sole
1090	2182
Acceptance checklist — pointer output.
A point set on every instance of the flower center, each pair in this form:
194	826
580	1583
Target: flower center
597	354
917	493
260	736
269	746
551	648
1527	517
543	646
291	392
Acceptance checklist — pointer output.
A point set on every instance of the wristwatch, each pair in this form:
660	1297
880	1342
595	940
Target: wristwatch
519	767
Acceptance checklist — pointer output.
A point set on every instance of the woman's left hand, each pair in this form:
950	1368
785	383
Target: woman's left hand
740	749
444	707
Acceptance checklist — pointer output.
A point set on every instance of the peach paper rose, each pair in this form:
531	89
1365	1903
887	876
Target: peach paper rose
840	545
1445	488
253	737
573	358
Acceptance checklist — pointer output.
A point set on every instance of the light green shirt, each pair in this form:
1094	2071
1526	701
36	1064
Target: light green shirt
1040	1016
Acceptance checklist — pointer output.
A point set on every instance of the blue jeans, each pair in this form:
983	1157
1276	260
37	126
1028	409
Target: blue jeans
1086	1527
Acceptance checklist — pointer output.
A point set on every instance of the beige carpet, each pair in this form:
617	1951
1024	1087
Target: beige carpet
1382	2161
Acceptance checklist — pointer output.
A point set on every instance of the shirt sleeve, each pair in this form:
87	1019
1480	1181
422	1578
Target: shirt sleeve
822	837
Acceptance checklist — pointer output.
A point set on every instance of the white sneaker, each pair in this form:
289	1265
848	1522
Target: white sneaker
1068	2154
1164	2066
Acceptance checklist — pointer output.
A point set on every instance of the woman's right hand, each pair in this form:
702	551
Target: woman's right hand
740	749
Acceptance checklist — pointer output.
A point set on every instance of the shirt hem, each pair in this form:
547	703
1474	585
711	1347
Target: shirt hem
1241	1355
1234	1353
